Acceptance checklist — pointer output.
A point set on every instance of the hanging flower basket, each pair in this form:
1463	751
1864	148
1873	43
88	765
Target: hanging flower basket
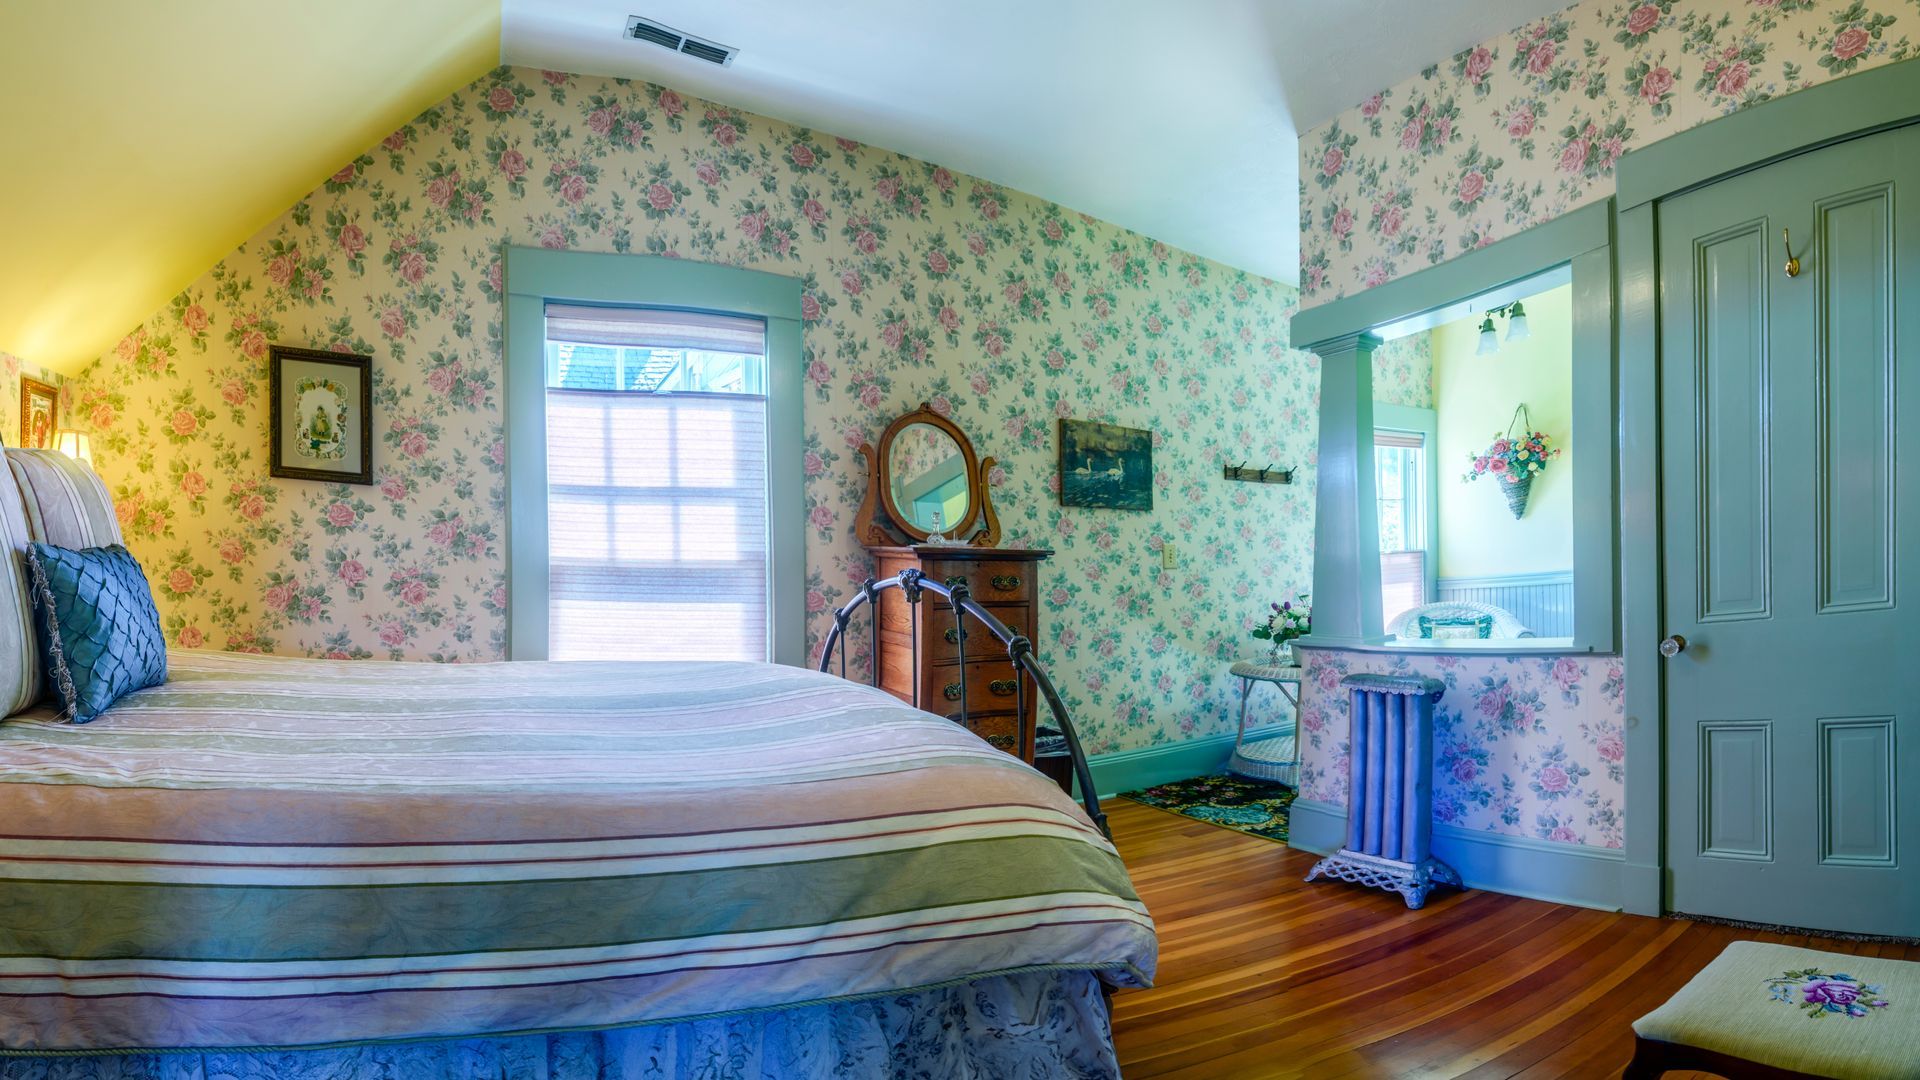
1515	458
1518	488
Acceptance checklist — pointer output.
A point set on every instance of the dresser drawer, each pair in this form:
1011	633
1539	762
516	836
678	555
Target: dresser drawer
896	618
990	685
989	581
1001	730
942	637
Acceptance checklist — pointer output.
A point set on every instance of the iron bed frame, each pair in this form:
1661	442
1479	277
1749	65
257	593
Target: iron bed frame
912	583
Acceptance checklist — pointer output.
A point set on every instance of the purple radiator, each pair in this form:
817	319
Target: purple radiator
1390	790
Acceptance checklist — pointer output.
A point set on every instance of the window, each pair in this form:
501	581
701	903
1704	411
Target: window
1560	364
656	485
1401	487
655	500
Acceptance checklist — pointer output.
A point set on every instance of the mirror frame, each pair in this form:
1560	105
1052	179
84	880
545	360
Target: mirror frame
971	466
979	527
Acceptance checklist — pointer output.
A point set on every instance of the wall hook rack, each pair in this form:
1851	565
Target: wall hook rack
1268	475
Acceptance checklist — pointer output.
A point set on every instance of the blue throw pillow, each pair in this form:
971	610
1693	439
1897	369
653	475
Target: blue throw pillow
100	637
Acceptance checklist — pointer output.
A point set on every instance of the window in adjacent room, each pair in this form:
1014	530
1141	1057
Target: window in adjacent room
657	540
1400	484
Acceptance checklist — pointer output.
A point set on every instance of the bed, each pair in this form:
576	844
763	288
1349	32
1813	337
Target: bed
271	851
275	866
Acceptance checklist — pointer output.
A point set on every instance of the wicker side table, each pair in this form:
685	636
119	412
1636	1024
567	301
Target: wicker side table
1268	755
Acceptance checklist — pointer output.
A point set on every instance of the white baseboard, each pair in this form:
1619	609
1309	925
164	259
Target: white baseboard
1575	874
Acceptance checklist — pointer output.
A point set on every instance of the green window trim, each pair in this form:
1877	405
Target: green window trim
533	276
1346	558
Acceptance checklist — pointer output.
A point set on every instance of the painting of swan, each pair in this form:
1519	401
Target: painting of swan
1105	466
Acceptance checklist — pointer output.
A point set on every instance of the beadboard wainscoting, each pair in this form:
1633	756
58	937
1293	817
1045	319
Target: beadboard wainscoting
1578	874
1544	602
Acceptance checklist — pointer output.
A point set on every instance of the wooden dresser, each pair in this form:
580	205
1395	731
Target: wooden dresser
922	668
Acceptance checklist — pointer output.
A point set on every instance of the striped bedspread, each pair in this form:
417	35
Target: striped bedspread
284	852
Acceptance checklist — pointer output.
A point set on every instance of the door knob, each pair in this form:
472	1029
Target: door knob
1673	646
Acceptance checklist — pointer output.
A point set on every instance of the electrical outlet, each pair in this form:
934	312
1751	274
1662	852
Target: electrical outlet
1169	556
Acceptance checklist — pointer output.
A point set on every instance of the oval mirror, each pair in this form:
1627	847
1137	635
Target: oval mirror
928	478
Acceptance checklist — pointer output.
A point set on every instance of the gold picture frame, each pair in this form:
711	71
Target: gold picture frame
39	414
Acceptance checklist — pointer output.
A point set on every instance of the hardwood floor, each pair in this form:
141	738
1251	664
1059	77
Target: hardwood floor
1262	975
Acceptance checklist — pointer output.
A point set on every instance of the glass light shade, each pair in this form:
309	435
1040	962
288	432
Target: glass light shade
1517	329
74	444
1489	340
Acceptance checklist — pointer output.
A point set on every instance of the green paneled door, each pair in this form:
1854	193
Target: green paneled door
1790	409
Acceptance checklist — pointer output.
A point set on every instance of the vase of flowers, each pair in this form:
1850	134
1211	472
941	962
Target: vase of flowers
1286	620
1515	458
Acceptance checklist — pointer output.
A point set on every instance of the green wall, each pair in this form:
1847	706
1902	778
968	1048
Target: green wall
1474	398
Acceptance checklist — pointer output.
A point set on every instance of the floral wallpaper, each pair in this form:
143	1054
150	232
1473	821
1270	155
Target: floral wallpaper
1523	746
1524	127
1403	371
921	284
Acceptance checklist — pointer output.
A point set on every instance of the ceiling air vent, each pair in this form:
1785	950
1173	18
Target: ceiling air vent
667	37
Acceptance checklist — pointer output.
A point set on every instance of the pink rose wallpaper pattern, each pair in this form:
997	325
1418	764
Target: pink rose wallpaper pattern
1523	746
921	284
1521	128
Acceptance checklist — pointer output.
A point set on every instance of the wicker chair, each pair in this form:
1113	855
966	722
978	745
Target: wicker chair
1505	623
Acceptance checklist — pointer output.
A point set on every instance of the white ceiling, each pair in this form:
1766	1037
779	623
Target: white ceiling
1175	118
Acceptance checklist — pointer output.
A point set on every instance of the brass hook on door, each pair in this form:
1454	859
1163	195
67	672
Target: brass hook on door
1793	264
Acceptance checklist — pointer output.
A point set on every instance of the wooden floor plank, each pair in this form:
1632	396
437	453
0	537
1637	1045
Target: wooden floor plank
1265	976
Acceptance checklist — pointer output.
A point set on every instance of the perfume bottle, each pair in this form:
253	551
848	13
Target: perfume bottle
938	535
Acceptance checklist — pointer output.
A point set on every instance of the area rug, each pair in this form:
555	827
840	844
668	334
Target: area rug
1256	807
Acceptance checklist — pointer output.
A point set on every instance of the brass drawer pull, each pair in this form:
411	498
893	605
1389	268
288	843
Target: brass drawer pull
998	687
957	579
1001	742
952	635
1006	582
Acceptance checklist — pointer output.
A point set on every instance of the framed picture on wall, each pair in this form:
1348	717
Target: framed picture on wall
1105	466
39	414
322	415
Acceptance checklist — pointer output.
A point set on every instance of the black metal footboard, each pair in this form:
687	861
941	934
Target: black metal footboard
912	583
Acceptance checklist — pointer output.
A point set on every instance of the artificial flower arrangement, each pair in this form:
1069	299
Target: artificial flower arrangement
1515	460
1285	621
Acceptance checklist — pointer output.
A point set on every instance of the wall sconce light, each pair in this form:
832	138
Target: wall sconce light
74	444
1517	329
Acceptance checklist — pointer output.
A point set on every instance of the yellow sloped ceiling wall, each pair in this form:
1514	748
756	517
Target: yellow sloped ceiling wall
141	140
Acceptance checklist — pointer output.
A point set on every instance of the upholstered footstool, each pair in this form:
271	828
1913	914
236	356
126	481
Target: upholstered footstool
1775	1011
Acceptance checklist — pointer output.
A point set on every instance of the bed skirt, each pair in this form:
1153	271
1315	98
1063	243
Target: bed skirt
1036	1024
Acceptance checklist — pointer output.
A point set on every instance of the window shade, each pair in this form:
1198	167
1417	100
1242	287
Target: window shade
1410	440
1403	582
657	526
656	328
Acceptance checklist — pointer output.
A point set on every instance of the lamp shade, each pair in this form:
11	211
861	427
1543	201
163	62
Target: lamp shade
1517	329
1489	339
74	444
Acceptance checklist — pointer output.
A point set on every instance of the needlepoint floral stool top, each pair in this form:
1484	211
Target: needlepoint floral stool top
1820	1013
